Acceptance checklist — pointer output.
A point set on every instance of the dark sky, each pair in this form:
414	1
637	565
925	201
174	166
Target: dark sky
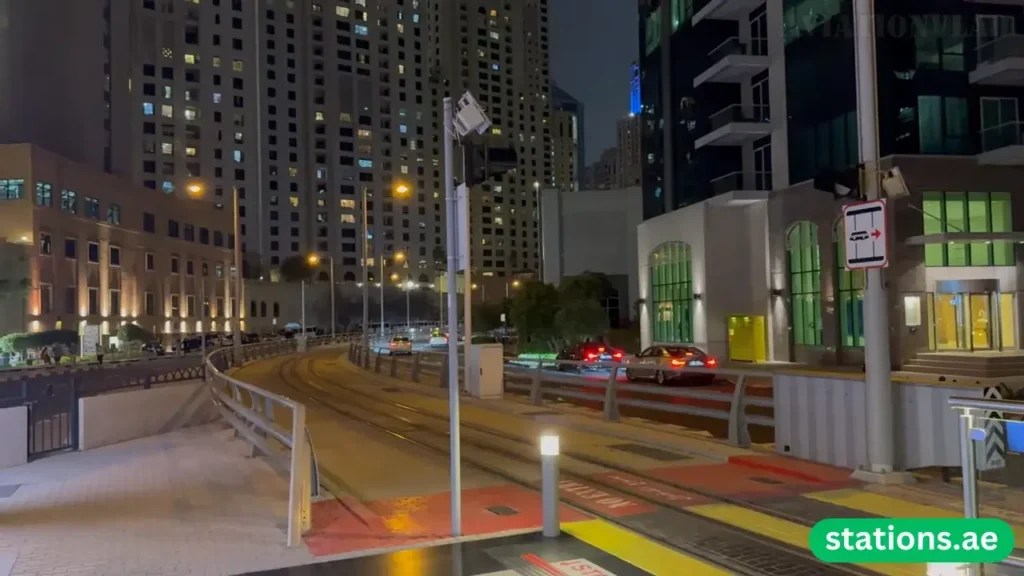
593	43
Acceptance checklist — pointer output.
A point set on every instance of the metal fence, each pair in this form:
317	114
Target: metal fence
275	425
52	395
544	380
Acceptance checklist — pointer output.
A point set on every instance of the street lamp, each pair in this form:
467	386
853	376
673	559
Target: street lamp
401	190
197	190
397	257
409	286
314	262
515	284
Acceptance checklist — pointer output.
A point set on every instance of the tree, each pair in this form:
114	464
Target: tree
135	334
580	320
533	311
487	315
296	269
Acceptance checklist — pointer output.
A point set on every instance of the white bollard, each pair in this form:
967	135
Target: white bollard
549	484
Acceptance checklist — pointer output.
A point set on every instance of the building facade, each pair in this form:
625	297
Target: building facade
949	86
629	169
301	106
92	249
567	139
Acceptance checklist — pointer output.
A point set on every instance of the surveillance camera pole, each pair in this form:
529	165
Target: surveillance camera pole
878	381
451	223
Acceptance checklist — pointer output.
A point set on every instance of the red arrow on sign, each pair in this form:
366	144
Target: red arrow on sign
876	233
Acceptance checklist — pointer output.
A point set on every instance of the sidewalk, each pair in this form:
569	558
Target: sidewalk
188	502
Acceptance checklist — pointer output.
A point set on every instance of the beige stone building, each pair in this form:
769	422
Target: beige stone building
93	249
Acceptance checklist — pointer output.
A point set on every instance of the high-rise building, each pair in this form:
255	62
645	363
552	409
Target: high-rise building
603	174
498	50
567	139
299	105
629	170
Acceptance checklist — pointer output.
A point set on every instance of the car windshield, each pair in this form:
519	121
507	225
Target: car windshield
683	351
401	340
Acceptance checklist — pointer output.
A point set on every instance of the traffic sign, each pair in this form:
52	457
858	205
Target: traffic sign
866	235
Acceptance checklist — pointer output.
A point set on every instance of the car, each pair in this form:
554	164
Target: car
589	352
438	339
400	345
155	348
664	363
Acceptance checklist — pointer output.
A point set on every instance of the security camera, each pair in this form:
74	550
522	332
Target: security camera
470	116
893	183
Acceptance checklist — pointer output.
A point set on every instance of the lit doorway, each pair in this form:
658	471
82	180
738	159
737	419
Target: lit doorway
973	321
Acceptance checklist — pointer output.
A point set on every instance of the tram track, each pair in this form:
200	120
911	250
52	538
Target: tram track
719	543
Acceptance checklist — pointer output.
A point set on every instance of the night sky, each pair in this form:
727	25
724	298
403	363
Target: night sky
593	43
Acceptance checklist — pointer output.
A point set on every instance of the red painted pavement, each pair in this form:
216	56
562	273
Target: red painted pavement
340	527
662	493
744	482
796	468
601	500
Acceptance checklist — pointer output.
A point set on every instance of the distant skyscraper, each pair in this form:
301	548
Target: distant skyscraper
634	89
567	116
300	105
629	170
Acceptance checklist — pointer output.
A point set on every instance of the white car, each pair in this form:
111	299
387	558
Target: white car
438	341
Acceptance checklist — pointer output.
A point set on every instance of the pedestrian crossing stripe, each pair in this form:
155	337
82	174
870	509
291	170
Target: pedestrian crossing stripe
640	552
791	533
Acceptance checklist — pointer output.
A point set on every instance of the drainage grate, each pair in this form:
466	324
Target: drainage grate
503	510
6	491
768	481
649	452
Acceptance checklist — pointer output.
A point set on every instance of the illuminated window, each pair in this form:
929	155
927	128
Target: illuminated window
191	113
403	128
216	61
236	65
401	68
167	148
294	201
401	28
167	111
345	117
190	58
405	169
348	219
190	151
147	108
671	293
363	133
805	284
365	163
350	204
361	30
342	11
293	171
319	116
238	156
496	131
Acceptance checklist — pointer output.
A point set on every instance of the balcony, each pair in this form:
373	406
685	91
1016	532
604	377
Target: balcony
740	189
736	125
1000	62
1002	145
723	9
732	61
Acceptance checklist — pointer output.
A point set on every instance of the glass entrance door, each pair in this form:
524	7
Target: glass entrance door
949	322
980	321
974	321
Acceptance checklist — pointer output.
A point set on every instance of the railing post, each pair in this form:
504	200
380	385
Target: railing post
297	485
739	435
376	362
611	404
416	367
394	366
366	358
536	394
444	372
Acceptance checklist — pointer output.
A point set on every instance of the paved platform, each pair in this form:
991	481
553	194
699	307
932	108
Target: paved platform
592	548
188	502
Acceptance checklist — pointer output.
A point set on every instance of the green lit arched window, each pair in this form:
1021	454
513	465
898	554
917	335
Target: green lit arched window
671	293
805	283
850	296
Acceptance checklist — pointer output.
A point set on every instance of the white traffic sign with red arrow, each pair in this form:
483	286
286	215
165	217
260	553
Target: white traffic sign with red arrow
866	235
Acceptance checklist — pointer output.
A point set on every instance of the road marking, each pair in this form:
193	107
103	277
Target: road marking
791	533
889	507
614	505
640	552
658	491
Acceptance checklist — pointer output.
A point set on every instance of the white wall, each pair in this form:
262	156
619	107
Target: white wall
112	418
13	436
729	250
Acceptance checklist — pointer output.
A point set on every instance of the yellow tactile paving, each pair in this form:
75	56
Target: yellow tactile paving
889	507
635	549
790	533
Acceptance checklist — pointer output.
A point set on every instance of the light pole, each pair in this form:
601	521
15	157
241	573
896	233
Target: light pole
314	261
408	315
515	284
401	190
198	190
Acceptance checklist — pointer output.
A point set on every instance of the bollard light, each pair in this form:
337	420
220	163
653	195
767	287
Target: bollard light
549	484
549	445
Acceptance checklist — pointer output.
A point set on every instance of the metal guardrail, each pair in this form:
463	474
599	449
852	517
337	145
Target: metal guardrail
538	382
251	411
969	409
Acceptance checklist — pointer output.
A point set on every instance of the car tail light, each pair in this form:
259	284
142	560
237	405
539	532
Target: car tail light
617	355
711	362
601	349
591	356
677	362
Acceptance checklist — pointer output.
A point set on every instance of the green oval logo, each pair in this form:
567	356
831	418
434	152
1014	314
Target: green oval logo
906	540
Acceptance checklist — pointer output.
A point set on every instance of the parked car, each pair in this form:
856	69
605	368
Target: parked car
589	352
669	363
400	345
154	348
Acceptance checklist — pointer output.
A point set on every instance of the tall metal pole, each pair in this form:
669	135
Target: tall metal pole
382	296
366	274
408	315
451	223
202	316
878	393
303	309
236	332
467	298
334	315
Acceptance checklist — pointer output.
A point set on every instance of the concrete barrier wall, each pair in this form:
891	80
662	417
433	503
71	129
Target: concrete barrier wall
13	436
823	419
118	417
